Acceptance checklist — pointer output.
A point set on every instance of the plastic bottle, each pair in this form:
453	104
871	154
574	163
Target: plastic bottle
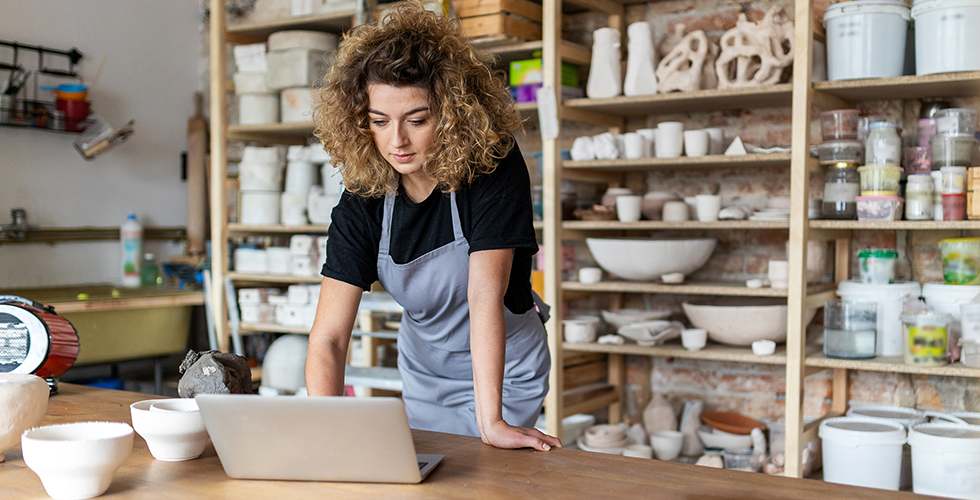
150	272
131	235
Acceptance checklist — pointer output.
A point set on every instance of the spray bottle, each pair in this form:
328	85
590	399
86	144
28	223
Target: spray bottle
131	235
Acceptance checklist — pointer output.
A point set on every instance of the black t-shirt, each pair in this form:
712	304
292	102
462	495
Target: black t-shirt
495	212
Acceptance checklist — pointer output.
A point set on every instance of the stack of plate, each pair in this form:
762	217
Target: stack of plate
770	214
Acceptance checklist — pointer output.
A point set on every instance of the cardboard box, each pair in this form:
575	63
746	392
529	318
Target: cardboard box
492	20
522	8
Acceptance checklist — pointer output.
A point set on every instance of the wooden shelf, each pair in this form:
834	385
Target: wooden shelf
570	52
107	297
334	22
892	364
960	84
585	225
708	161
274	278
939	225
255	328
732	288
771	96
276	133
278	228
713	352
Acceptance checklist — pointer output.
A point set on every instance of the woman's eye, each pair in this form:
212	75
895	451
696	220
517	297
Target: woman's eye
379	123
417	123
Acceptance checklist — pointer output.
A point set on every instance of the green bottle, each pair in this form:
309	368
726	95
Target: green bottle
150	272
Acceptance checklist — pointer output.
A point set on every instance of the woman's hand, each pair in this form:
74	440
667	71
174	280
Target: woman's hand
503	435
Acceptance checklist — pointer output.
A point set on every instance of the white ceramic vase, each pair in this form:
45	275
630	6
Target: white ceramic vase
605	78
640	66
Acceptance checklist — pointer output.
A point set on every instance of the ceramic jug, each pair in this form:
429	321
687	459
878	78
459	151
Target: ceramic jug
605	75
640	77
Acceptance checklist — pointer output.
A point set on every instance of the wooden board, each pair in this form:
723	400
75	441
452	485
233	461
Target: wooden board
472	8
496	24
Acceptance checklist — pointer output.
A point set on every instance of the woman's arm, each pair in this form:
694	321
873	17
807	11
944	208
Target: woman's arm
488	280
330	337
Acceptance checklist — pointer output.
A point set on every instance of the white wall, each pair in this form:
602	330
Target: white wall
153	51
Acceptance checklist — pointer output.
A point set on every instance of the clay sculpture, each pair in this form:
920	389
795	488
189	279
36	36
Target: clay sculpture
214	372
640	76
681	69
755	54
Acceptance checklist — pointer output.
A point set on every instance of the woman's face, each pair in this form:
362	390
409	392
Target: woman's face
403	126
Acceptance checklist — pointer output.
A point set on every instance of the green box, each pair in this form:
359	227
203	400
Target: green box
528	72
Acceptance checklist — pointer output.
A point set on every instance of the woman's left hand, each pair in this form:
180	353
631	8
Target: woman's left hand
503	435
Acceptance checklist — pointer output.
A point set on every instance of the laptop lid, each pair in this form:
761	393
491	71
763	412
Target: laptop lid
313	438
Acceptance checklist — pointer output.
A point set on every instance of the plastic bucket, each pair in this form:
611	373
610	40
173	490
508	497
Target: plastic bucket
946	35
866	38
862	451
926	338
949	298
889	299
946	460
961	260
905	416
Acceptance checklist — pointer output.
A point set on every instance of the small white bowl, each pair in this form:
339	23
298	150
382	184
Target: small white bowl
77	460
667	444
173	428
694	339
589	275
763	347
580	330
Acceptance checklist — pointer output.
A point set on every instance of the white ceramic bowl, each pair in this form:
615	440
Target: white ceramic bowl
23	401
173	428
724	440
645	259
743	321
622	317
77	460
580	330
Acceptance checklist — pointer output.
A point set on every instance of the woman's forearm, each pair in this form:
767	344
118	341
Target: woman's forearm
330	338
489	275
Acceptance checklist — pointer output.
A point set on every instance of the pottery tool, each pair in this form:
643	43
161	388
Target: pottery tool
197	190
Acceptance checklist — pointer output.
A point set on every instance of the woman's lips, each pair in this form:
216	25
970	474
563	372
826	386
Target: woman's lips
403	158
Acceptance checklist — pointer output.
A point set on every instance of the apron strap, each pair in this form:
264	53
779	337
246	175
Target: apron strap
385	242
457	225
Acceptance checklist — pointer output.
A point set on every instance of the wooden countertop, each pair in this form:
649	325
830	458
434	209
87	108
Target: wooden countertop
470	470
100	297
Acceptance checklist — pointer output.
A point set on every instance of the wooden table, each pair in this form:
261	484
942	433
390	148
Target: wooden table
470	470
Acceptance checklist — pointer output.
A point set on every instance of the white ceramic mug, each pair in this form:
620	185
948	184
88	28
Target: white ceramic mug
633	146
716	138
708	206
696	143
670	139
628	207
779	273
675	211
694	339
590	275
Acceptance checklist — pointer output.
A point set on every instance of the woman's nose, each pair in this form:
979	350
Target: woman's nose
399	137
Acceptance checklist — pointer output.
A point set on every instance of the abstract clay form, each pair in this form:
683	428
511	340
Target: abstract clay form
755	54
640	76
23	402
659	415
214	372
681	69
605	74
670	40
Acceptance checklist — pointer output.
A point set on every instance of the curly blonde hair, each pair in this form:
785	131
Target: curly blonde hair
475	114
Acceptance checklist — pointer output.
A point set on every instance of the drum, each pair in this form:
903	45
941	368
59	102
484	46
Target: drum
35	339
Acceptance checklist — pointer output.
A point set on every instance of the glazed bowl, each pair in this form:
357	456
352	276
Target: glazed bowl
742	321
645	259
622	317
77	460
23	401
173	428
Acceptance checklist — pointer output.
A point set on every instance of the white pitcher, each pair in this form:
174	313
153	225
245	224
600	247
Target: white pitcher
640	77
605	74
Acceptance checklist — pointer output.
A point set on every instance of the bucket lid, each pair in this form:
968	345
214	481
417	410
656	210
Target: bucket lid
959	240
945	437
972	418
862	430
920	7
866	7
889	290
942	291
934	318
906	416
878	253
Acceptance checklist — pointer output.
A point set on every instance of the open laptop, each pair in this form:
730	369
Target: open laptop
314	438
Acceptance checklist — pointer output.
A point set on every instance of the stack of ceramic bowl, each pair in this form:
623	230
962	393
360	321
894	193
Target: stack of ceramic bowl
952	148
609	439
297	59
257	103
841	152
260	181
301	174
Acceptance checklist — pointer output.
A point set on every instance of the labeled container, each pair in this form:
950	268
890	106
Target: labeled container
954	206
131	238
961	260
862	451
842	185
946	35
954	179
849	329
880	179
888	339
925	337
883	145
907	417
919	197
918	160
955	121
877	265
952	150
866	38
839	124
879	208
945	459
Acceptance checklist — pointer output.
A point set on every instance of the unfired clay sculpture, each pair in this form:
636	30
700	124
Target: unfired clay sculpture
659	415
214	372
670	40
681	69
755	54
23	402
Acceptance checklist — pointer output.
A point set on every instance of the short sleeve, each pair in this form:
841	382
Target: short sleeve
352	243
501	212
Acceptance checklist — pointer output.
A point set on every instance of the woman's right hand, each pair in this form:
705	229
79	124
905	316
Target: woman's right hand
503	435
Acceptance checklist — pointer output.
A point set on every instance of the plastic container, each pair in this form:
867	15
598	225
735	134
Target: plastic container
945	459
883	145
946	35
954	179
954	206
970	322
954	121
848	152
952	150
961	260
970	352
131	238
888	340
918	160
842	184
907	417
877	265
880	180
866	38
926	131
839	124
862	451
849	329
925	337
937	194
948	298
150	271
919	197
879	207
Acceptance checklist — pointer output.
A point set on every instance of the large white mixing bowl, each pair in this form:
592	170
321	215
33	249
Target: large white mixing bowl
646	259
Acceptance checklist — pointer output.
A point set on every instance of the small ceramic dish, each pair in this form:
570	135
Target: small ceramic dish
173	428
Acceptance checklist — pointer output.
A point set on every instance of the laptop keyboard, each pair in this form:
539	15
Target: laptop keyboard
422	465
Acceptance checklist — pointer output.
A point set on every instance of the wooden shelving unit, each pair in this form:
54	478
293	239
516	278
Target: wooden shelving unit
651	225
773	96
243	229
711	352
273	278
729	289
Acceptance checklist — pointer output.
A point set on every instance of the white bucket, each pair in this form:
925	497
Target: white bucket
259	208
948	298
905	416
946	460
946	36
889	298
258	109
862	451
866	38
259	176
972	418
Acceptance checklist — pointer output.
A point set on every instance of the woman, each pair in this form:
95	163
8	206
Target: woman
437	208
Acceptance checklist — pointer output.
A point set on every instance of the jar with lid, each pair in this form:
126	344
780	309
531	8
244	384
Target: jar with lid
919	197
842	185
883	144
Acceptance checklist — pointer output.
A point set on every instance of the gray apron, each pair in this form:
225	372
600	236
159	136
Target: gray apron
434	339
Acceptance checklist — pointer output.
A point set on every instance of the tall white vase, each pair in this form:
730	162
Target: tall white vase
605	74
640	76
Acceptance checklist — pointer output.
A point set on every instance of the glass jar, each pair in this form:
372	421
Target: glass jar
919	197
842	184
883	144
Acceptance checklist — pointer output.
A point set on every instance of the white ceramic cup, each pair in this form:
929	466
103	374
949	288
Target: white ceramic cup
779	273
649	139
638	451
633	146
694	339
696	143
716	141
667	444
708	206
670	139
675	211
589	275
580	330
628	207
